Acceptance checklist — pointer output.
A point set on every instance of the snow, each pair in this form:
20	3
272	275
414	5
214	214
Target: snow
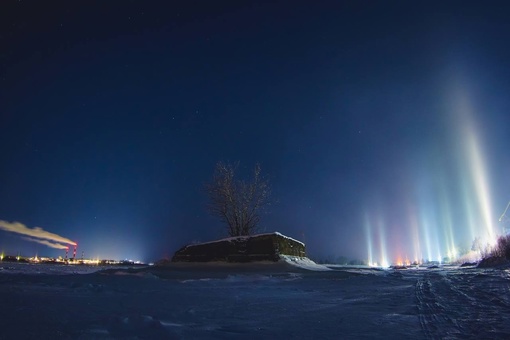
289	238
42	268
235	238
252	301
303	262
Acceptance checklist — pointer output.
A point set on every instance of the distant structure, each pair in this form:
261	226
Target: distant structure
263	247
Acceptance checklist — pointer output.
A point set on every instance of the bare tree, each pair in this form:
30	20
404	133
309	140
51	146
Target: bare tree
236	202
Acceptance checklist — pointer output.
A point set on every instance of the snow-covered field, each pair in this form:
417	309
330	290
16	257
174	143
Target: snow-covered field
253	301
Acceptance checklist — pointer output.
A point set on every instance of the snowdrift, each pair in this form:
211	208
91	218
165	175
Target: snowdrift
219	270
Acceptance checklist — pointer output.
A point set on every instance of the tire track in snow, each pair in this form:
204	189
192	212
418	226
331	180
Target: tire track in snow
433	317
456	306
488	311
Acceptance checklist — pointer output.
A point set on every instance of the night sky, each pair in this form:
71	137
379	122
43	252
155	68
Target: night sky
370	118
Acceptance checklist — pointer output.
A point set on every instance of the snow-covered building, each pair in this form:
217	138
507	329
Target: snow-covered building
262	247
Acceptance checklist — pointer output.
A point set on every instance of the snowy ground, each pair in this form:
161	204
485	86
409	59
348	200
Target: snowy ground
262	301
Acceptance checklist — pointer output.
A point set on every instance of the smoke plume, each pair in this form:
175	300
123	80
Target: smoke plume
37	233
46	243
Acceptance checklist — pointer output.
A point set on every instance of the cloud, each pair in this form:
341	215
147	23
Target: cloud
47	243
19	228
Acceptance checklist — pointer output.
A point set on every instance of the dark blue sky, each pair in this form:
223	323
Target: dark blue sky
114	114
